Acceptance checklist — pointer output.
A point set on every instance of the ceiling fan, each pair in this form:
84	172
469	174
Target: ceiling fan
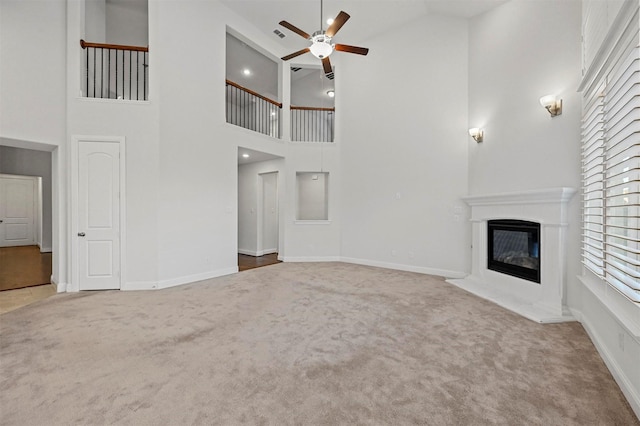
322	44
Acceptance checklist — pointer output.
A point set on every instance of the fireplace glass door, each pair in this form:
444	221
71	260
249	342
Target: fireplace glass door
514	248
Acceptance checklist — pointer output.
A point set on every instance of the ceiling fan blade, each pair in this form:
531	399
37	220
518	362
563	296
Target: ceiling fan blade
352	49
295	29
326	65
293	55
337	23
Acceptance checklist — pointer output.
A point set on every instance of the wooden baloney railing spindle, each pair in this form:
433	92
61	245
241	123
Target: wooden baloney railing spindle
115	71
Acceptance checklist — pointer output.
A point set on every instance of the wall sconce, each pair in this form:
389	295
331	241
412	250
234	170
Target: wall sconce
477	134
553	105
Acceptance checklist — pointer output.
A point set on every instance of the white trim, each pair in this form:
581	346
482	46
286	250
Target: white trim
533	311
257	253
312	222
618	373
614	303
409	268
47	249
310	258
196	277
74	284
139	285
602	59
536	196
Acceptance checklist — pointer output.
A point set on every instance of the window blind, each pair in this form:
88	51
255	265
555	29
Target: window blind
611	167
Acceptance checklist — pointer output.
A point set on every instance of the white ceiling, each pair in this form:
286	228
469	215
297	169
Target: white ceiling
254	156
368	17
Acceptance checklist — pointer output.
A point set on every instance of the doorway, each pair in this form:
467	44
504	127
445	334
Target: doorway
259	230
98	212
26	225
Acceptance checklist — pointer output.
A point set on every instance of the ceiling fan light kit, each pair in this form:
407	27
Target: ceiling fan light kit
322	45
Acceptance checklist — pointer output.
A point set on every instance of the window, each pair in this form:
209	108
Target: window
611	161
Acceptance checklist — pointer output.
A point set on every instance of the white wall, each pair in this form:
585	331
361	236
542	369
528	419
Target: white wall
32	70
313	196
524	148
95	19
127	22
402	130
27	162
249	236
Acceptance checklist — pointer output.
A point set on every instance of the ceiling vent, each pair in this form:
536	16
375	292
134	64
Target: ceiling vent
278	33
296	69
330	75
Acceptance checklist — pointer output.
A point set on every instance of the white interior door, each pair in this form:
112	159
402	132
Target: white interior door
269	212
98	215
17	210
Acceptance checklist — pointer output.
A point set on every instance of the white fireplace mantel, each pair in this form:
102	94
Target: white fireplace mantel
543	302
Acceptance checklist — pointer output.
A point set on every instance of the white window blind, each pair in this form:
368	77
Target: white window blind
611	167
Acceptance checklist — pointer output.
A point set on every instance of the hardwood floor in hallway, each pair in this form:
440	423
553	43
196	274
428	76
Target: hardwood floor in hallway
23	266
25	276
250	262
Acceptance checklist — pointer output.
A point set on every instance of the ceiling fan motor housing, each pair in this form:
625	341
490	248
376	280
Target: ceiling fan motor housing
321	46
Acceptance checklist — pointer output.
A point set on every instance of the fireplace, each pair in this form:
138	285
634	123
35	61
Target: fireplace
532	245
513	248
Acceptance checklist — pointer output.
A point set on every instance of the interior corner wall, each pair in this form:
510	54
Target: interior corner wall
401	118
524	147
27	162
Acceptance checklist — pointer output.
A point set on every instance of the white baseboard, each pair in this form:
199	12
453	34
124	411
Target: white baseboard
310	259
409	268
157	285
248	252
139	285
197	277
618	373
60	287
46	249
257	253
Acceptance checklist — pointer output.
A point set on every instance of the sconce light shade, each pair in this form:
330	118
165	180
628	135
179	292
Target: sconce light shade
477	134
552	104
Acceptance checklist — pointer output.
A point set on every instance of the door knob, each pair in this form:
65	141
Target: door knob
81	234
0	220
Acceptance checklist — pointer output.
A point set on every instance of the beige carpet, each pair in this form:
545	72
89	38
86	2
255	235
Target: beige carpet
298	344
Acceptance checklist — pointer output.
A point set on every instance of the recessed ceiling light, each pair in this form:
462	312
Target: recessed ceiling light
246	71
245	155
329	21
331	93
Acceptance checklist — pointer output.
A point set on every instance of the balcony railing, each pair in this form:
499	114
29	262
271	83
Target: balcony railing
311	124
114	71
251	110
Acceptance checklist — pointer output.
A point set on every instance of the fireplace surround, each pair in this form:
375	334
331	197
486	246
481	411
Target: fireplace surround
541	300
